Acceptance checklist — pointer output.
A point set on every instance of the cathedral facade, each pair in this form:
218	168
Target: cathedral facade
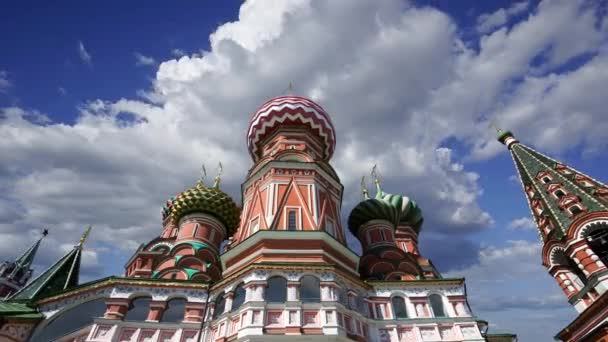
276	267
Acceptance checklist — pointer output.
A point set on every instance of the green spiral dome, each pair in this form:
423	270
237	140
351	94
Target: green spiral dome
397	209
209	200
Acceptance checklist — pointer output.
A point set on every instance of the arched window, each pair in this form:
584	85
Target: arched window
310	289
597	238
174	313
276	292
239	297
399	307
559	193
437	305
71	320
342	297
138	309
220	305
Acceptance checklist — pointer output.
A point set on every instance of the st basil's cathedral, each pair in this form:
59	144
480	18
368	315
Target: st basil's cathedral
277	267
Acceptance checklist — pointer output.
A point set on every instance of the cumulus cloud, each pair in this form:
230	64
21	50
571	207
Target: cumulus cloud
397	80
523	223
84	55
141	60
489	21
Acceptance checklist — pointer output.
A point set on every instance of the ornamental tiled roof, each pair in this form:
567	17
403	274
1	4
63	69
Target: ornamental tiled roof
210	200
532	166
287	110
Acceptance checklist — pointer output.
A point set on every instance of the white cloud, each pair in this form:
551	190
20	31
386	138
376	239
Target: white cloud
141	60
509	287
523	223
85	56
489	21
5	83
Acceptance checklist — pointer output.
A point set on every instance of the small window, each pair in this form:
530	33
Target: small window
329	228
399	308
276	291
220	304
310	289
173	275
546	180
239	297
291	220
254	226
575	209
559	193
195	230
437	305
174	232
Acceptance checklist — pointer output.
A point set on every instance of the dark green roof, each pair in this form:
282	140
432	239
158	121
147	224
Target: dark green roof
18	310
60	276
529	164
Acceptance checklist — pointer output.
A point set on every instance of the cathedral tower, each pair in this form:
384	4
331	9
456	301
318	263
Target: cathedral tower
15	274
571	212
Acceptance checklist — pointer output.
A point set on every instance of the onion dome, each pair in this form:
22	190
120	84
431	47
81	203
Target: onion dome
397	209
210	200
290	110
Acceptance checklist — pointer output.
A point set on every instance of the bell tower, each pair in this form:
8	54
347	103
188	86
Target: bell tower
571	212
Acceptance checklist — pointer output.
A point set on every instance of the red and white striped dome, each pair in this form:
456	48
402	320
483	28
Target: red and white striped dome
290	110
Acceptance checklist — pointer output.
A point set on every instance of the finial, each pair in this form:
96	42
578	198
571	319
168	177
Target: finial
376	176
220	169
84	236
493	125
364	188
45	232
201	179
289	89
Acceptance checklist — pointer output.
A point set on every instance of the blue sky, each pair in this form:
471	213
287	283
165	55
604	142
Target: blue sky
107	109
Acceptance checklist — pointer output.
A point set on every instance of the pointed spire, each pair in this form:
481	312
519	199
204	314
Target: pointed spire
217	179
364	188
201	180
62	275
25	261
505	137
557	194
376	176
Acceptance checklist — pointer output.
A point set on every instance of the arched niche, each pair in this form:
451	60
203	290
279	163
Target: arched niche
276	291
437	305
175	311
310	289
138	309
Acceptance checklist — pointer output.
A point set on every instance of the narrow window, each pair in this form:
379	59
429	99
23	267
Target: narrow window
559	193
239	297
437	305
195	230
399	308
220	304
174	232
291	220
546	180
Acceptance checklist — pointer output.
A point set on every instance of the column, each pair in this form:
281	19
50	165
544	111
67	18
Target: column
116	308
157	308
